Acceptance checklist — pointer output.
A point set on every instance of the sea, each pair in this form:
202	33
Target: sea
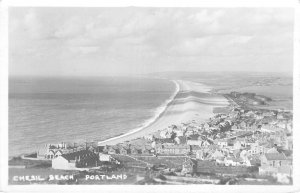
75	109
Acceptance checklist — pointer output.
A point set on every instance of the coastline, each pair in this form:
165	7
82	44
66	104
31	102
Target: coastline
190	101
160	111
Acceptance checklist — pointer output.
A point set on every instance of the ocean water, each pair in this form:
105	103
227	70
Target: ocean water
53	110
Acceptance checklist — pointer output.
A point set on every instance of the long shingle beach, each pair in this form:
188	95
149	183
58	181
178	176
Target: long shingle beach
193	101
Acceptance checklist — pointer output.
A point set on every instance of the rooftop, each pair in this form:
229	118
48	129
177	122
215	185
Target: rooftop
72	156
275	156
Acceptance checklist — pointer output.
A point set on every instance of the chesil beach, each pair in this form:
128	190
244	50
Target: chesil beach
104	110
191	101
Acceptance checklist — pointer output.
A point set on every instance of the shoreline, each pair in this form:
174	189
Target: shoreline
190	101
153	119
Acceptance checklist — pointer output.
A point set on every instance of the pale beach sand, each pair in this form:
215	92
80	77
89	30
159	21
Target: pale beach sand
193	101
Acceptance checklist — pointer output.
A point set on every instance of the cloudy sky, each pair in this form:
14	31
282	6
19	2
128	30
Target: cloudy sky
114	41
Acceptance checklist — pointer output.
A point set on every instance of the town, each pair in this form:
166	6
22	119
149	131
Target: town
241	144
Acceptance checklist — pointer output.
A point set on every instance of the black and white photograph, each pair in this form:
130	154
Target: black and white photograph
150	95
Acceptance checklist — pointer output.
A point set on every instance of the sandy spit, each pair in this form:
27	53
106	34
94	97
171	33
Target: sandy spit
193	101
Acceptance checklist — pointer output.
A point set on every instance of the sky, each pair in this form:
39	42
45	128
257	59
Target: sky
133	40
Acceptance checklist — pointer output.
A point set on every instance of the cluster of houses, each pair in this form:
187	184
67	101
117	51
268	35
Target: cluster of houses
249	98
74	160
51	151
127	149
240	139
275	163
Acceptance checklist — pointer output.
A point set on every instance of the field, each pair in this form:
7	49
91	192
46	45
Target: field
18	161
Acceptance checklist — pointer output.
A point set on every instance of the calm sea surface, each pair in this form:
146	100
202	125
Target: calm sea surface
52	110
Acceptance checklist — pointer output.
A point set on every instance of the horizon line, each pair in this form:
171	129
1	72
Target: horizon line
147	74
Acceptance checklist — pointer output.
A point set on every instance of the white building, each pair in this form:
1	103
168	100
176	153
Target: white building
222	142
194	142
50	151
73	160
63	163
104	157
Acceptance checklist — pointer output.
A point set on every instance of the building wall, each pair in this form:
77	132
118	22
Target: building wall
60	163
273	163
104	157
269	171
194	142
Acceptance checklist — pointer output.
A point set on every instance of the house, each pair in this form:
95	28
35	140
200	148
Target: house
170	128
267	128
189	132
206	126
135	150
273	159
199	155
257	149
175	149
188	166
149	137
194	148
124	150
194	142
99	149
220	160
182	149
254	160
194	137
217	154
234	127
153	144
243	125
238	144
83	158
50	151
244	155
236	152
159	148
172	149
146	150
206	143
232	161
276	165
164	134
105	157
180	140
113	150
166	141
58	153
179	133
51	154
272	150
221	142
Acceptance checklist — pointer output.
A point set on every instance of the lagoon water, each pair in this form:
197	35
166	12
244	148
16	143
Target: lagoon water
52	110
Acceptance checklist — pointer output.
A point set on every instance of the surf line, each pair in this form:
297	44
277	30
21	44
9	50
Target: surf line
160	110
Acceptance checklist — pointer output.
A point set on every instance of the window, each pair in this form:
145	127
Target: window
273	163
279	163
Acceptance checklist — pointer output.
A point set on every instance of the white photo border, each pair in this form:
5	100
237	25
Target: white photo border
147	188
